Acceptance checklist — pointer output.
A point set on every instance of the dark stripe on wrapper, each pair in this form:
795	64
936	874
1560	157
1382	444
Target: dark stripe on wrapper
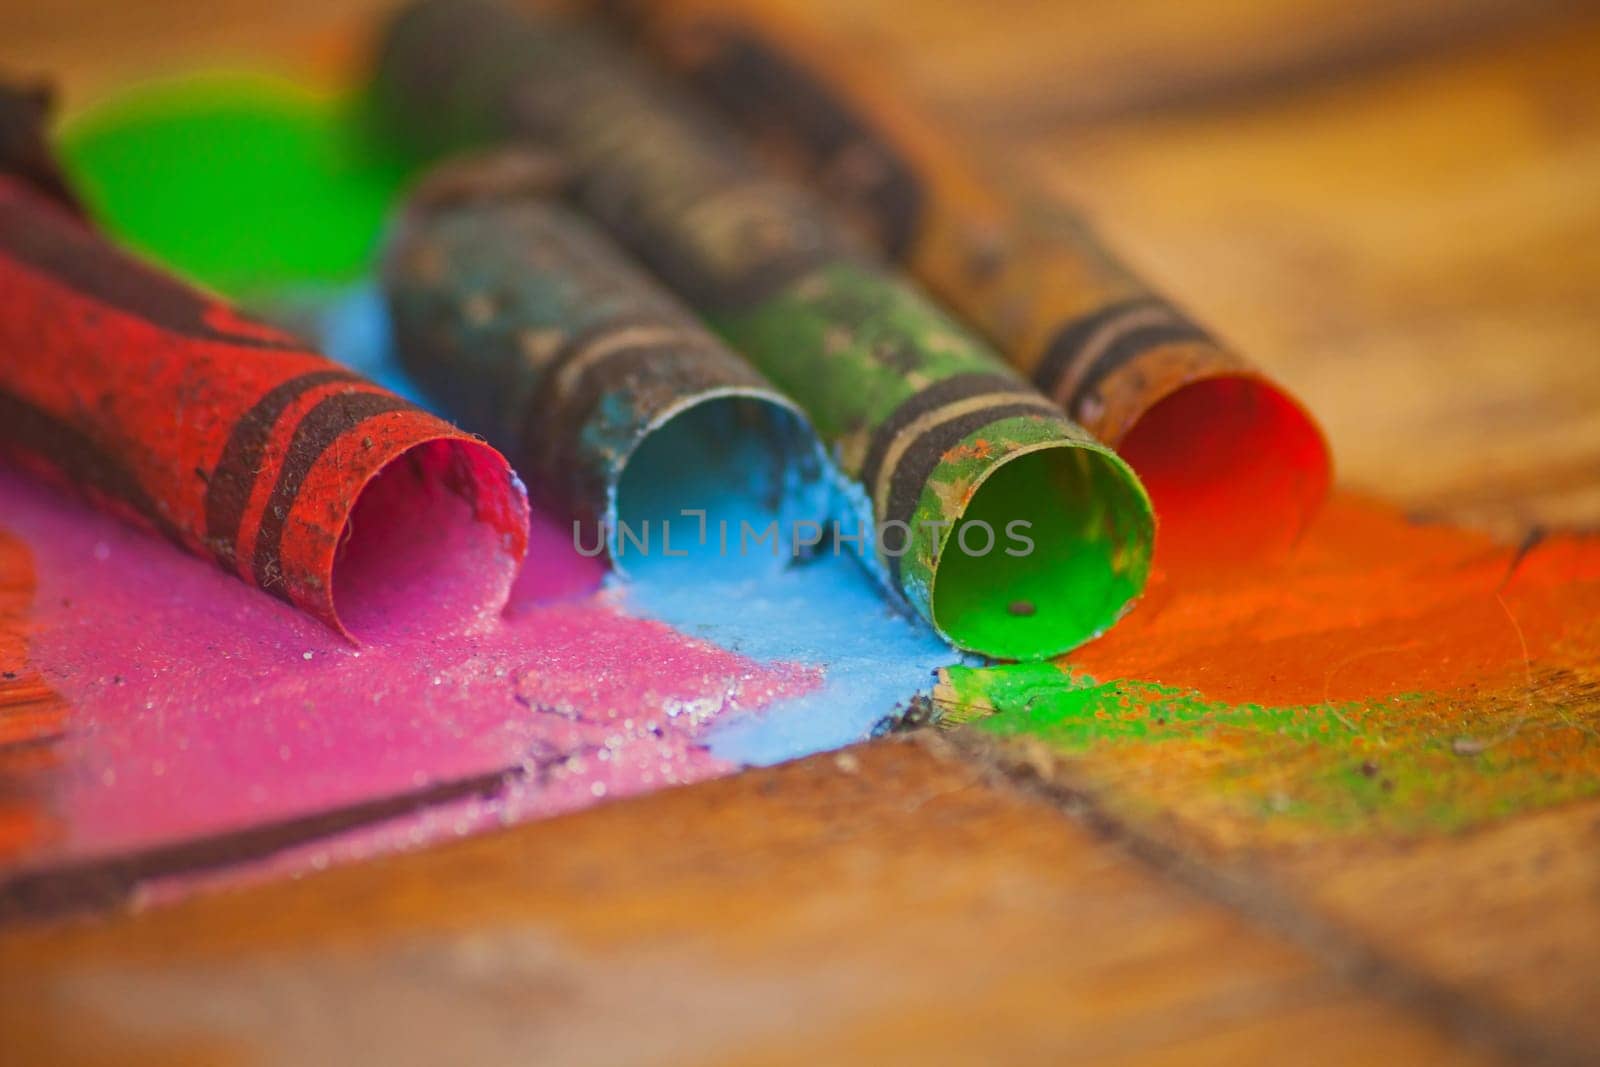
1128	347
322	426
1089	349
911	474
960	387
553	433
233	480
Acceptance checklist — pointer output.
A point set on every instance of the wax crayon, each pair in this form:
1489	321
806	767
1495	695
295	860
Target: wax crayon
226	436
1232	460
973	491
25	151
521	319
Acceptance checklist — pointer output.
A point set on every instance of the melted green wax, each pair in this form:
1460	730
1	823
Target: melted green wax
240	182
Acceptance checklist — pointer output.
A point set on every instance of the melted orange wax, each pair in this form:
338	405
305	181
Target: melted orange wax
1367	604
31	714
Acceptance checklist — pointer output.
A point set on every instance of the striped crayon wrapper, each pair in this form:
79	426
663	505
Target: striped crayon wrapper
623	411
230	438
1232	461
976	499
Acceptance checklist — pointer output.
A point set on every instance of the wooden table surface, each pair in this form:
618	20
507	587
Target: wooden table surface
1396	208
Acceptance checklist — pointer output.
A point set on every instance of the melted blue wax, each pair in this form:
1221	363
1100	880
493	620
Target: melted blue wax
827	612
819	608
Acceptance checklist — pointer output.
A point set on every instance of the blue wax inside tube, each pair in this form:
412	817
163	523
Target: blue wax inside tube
819	607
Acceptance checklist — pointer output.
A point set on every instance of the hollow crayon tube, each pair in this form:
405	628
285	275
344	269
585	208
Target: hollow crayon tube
523	321
998	519
1232	461
230	438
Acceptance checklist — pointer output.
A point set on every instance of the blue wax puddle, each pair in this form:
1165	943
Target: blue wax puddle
825	611
820	609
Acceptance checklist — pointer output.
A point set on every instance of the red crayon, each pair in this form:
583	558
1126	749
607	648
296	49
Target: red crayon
224	435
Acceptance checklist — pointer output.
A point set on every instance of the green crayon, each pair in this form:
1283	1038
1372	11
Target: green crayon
974	493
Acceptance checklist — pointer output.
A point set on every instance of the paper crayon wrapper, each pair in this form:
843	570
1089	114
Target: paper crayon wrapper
1230	457
949	453
227	437
525	323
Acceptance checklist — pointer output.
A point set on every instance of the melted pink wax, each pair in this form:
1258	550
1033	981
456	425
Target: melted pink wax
202	706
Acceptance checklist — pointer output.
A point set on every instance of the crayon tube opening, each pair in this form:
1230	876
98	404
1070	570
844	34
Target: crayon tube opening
732	480
1236	469
432	543
1072	535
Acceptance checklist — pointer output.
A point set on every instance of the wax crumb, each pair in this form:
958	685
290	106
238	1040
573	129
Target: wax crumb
1022	608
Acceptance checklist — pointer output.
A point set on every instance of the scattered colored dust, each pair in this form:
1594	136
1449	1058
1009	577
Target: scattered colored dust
1387	677
201	707
1369	604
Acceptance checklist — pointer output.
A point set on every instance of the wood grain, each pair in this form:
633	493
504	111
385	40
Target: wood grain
1494	933
891	906
1417	252
1396	208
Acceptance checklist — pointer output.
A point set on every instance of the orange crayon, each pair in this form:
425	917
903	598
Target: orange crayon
1234	464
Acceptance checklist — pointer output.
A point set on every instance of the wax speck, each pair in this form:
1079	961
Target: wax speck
306	655
1021	608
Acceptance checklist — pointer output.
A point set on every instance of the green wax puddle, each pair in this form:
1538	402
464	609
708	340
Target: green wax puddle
1388	764
1074	711
239	182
